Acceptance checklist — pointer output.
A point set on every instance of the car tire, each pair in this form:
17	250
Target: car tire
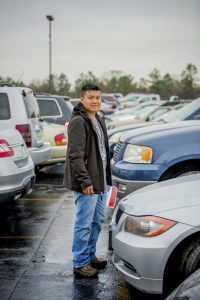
182	265
190	260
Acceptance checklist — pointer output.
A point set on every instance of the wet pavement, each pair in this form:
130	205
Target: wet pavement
35	248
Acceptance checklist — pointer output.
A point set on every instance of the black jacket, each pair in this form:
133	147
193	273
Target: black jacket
83	166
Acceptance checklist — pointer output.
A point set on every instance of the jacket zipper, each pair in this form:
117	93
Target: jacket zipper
100	162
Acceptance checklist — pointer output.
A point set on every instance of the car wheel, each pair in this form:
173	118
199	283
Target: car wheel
190	260
183	263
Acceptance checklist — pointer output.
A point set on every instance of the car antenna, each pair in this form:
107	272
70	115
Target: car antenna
20	78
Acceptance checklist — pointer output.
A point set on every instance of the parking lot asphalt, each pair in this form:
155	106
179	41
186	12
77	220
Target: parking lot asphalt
35	249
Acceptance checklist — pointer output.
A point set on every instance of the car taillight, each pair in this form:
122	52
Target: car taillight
66	123
5	151
60	139
25	131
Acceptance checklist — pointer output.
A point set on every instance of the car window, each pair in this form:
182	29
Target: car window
48	107
158	113
144	99
4	107
31	105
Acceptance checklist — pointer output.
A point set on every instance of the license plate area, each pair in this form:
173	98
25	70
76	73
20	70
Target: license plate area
19	152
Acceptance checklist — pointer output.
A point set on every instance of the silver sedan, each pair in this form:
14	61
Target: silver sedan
156	234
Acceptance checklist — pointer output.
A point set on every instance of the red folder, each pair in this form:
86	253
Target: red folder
111	197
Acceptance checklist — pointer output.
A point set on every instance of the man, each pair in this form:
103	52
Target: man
88	174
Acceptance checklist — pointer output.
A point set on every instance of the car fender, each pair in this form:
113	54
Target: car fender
173	246
180	154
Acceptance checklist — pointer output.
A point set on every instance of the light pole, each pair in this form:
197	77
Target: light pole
50	18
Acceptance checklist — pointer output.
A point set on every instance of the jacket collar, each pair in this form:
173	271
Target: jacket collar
80	110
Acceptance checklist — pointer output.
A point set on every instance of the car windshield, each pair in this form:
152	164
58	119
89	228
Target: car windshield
4	107
144	111
160	111
182	113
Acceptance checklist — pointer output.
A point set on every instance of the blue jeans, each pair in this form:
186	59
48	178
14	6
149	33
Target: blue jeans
89	218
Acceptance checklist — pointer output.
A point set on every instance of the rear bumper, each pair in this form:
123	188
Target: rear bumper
25	188
41	154
58	154
16	181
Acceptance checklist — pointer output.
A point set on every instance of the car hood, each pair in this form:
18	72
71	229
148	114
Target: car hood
155	131
173	199
130	127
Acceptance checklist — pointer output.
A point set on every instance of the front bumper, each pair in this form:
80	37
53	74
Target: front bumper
125	187
148	285
142	260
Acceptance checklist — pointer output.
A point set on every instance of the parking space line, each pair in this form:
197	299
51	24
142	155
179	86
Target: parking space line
32	237
39	199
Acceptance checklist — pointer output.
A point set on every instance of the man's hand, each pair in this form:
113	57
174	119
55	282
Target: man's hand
88	190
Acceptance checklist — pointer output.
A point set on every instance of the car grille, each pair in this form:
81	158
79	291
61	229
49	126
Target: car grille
118	215
116	150
130	267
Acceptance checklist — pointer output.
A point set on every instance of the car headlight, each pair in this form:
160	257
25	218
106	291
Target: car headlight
138	154
115	138
147	225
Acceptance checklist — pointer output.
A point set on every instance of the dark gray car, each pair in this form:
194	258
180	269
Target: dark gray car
55	109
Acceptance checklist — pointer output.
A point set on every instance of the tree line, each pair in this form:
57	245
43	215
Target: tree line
186	85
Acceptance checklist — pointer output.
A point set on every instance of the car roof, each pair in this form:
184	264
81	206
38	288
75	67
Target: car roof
50	96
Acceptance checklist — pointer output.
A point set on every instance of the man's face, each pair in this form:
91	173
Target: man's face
91	101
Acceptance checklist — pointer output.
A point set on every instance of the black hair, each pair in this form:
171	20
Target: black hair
89	87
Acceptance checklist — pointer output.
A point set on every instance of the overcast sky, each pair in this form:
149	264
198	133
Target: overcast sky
130	35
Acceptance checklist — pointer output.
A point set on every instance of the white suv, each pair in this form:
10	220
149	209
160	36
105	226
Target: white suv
17	175
19	110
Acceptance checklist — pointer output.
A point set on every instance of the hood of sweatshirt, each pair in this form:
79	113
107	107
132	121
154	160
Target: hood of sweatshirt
80	110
